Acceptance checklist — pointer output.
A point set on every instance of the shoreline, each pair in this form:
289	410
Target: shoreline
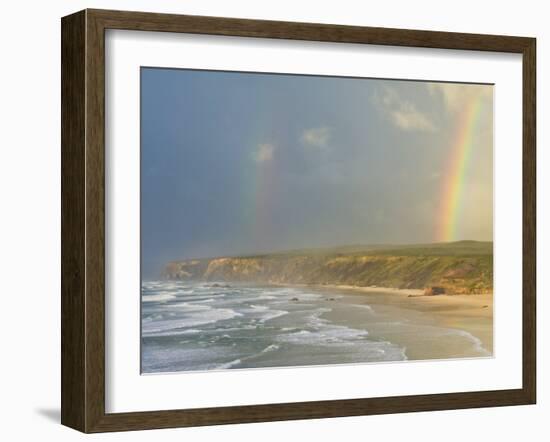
470	314
326	324
479	301
473	299
413	293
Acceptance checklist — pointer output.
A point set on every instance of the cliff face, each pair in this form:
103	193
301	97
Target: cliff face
456	273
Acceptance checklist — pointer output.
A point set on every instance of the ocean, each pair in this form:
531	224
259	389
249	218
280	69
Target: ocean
196	326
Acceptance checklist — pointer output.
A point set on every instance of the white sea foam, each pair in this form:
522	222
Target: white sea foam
162	284
365	306
180	292
228	364
193	319
240	328
315	320
191	307
169	332
272	315
246	298
158	297
270	348
476	342
327	335
190	331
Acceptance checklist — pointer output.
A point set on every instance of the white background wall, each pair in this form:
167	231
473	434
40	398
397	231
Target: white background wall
30	216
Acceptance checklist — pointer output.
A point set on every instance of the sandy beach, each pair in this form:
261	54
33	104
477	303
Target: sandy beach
416	314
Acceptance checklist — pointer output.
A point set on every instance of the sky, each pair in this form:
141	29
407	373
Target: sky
241	163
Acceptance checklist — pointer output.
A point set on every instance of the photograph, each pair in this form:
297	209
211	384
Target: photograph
304	220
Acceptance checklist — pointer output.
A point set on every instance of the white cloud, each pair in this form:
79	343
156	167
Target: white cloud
407	117
264	153
316	137
404	113
457	95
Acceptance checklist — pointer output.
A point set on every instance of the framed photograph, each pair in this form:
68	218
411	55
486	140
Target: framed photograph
270	220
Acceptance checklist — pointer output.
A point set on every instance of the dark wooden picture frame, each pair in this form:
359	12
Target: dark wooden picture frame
83	220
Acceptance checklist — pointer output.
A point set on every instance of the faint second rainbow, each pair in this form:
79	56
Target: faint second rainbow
452	191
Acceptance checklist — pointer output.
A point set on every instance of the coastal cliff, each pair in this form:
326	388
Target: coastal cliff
464	267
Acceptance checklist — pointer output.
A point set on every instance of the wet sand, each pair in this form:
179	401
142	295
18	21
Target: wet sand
429	327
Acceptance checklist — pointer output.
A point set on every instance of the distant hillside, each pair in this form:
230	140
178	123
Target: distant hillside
459	267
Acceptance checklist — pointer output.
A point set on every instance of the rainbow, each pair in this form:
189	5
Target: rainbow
452	196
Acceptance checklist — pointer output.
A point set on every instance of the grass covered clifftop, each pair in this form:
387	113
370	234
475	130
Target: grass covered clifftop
463	267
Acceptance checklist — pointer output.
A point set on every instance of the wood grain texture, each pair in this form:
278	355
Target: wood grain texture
95	222
73	128
529	220
145	21
83	220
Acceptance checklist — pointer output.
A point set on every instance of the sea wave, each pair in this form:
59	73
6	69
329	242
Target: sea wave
193	319
157	297
476	342
236	326
272	315
228	364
